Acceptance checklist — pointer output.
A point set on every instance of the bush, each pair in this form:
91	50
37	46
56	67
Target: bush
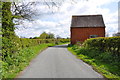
104	51
82	51
108	44
13	44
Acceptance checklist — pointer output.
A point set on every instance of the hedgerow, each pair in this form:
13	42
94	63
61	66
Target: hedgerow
14	44
103	52
107	44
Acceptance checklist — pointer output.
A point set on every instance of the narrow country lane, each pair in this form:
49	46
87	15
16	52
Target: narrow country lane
58	62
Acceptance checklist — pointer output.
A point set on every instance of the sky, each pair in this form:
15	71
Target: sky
58	20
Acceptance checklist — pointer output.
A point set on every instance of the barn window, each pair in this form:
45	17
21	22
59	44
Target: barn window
93	36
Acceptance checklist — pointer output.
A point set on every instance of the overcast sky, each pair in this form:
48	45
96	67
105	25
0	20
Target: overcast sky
59	21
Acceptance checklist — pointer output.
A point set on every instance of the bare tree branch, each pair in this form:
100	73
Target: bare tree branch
25	11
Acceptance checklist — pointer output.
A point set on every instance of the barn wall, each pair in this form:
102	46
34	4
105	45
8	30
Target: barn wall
81	34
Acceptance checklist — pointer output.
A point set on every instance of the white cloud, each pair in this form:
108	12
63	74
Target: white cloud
59	22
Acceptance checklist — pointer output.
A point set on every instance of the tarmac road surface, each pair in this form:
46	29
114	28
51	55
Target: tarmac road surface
58	62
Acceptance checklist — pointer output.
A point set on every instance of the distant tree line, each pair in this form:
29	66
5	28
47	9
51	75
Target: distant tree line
45	35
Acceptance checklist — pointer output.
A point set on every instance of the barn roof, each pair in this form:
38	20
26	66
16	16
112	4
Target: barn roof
87	21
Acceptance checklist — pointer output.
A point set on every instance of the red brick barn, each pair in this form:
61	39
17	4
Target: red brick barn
86	26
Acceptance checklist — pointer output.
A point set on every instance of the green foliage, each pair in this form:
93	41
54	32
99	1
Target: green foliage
7	20
50	36
108	49
13	44
45	35
107	44
8	44
102	53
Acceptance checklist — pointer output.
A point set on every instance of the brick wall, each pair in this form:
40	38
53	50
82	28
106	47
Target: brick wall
81	34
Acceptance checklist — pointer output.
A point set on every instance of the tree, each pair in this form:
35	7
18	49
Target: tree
30	38
35	37
9	46
58	37
67	38
7	20
51	36
23	10
44	35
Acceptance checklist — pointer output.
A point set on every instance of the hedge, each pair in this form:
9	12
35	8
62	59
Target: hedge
32	42
103	52
13	44
104	44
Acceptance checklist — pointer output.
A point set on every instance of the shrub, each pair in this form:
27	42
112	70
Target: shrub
108	44
82	51
13	44
104	51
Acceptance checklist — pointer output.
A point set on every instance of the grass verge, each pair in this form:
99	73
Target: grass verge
97	65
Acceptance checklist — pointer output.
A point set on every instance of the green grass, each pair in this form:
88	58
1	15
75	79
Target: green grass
105	69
